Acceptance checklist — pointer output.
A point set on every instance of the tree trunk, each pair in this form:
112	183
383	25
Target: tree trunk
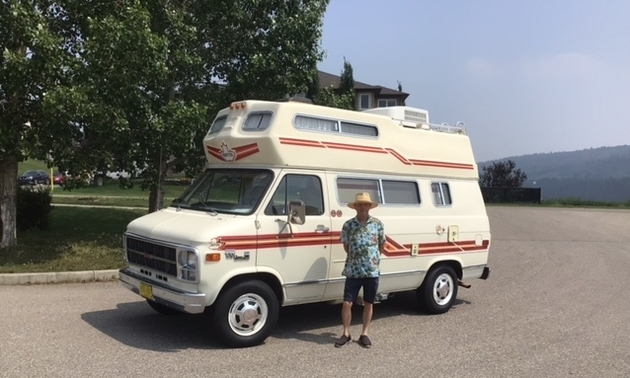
8	192
156	195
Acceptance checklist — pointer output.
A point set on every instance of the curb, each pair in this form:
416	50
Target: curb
58	277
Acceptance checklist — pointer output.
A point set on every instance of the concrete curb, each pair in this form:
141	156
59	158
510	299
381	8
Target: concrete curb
58	277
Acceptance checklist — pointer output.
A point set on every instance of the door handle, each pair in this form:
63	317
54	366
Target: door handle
321	229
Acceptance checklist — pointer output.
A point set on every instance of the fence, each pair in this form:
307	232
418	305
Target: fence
511	195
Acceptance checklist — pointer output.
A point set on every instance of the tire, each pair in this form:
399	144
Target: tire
162	309
438	291
245	314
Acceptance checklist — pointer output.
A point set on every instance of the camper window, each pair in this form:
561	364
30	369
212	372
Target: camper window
257	121
315	124
382	191
217	125
400	192
347	188
441	193
353	128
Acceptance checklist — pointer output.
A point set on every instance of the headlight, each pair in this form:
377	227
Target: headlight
187	264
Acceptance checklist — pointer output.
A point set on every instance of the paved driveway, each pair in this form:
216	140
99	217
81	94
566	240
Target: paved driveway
556	305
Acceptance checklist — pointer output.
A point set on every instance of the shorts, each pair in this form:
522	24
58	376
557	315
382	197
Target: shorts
353	285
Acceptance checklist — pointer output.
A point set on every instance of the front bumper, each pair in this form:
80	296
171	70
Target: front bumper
192	303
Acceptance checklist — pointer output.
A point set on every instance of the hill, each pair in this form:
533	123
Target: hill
597	174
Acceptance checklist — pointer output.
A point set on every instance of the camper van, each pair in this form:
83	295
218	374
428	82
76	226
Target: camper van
260	227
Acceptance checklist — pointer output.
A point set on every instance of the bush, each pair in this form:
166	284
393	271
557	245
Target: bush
33	208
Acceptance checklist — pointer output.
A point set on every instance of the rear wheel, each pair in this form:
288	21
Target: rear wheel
245	314
162	309
437	293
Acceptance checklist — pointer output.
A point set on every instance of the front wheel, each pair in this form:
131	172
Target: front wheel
437	293
245	314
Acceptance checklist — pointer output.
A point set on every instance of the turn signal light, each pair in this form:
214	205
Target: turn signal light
213	257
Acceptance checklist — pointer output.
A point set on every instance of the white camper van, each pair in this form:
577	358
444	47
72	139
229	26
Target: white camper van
260	228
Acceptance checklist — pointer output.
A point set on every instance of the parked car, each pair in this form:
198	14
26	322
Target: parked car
34	178
59	178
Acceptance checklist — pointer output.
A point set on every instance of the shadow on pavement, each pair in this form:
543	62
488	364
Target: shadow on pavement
137	325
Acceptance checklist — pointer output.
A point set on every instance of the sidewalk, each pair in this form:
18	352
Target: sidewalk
58	277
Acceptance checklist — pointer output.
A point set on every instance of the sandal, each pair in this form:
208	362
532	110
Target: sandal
364	341
343	340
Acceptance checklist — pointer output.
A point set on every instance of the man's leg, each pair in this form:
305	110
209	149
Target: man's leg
346	317
350	293
368	309
370	286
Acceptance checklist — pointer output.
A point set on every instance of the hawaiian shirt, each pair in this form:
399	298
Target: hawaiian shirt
364	256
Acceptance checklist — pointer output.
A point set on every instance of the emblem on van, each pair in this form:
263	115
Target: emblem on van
228	154
235	256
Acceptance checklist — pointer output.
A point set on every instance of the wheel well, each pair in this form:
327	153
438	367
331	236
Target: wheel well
457	267
267	278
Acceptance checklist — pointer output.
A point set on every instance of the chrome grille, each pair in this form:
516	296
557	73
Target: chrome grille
154	256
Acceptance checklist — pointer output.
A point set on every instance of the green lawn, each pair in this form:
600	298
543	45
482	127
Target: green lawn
77	239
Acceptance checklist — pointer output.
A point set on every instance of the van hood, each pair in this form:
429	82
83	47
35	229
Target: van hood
189	227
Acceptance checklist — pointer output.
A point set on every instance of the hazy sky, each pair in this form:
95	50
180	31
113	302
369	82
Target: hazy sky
524	76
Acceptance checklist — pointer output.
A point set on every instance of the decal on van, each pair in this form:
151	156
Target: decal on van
392	247
378	150
227	154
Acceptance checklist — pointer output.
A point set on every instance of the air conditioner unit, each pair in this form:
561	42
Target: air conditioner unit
404	114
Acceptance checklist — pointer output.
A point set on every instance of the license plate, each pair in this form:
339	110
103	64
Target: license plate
146	291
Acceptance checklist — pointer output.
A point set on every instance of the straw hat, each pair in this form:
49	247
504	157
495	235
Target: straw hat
362	198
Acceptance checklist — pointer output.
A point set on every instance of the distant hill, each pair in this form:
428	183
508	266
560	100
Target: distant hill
598	174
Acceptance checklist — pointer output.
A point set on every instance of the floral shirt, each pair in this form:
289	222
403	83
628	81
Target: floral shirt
364	256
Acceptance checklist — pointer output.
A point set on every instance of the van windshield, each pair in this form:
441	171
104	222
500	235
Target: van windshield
229	191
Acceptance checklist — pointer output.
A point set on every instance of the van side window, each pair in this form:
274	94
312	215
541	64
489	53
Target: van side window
306	188
257	121
334	126
217	125
349	187
441	194
400	192
381	191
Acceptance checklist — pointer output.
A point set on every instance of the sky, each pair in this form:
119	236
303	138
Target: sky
525	77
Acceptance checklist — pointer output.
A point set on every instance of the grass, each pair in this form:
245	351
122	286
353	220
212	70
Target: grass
110	194
77	239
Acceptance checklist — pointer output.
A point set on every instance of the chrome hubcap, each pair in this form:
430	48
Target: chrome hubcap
248	314
443	289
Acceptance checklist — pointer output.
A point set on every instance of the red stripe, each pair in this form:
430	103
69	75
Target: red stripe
300	142
392	248
378	150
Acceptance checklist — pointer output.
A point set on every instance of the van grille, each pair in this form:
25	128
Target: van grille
154	256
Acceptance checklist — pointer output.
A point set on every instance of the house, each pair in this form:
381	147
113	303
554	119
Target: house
367	96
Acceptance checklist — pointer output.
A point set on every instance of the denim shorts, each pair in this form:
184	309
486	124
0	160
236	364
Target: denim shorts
353	285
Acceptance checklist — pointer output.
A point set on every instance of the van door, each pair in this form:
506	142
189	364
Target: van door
299	253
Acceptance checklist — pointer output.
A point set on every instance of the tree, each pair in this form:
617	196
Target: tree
502	174
342	97
132	85
31	62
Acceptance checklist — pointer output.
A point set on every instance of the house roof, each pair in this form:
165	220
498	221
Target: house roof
330	80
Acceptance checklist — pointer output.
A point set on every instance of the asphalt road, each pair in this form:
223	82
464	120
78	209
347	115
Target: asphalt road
556	305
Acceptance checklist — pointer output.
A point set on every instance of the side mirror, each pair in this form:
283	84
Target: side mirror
297	212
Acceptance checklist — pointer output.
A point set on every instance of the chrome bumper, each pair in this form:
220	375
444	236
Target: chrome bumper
191	303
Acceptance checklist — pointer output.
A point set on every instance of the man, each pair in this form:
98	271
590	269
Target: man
363	240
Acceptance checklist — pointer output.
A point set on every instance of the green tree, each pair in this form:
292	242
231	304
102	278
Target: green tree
31	62
134	84
341	97
502	174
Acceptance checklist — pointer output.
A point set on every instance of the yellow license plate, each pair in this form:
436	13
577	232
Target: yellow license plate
146	291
